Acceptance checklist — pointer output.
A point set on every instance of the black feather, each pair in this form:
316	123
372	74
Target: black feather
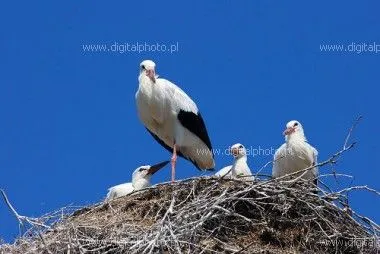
163	144
194	123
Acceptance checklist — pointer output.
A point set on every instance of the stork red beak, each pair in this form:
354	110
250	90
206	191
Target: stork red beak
153	169
152	75
289	131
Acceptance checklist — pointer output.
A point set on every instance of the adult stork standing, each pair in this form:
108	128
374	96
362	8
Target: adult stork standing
295	154
173	119
140	179
240	167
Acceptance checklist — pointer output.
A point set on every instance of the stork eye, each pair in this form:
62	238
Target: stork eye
295	124
143	67
241	146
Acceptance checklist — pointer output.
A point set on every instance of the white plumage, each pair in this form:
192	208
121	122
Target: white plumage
120	190
226	171
295	154
172	118
240	167
140	180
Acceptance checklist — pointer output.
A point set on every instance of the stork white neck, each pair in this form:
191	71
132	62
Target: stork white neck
240	166
140	182
144	79
240	162
295	137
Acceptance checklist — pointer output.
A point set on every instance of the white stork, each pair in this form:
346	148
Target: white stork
140	179
295	154
240	167
173	119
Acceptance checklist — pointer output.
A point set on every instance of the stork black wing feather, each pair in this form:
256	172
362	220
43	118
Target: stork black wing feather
162	143
194	123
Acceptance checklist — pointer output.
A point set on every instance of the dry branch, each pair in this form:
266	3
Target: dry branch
209	215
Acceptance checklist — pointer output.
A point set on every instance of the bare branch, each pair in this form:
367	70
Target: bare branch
13	210
356	122
20	218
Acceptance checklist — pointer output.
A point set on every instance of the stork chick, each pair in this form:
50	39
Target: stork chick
240	167
140	180
295	154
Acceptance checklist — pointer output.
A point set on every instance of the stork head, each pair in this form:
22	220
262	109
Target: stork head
141	176
148	68
293	129
238	151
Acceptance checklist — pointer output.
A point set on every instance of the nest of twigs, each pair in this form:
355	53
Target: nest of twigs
208	215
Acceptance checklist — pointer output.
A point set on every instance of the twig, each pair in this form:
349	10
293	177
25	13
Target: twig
356	122
20	218
268	163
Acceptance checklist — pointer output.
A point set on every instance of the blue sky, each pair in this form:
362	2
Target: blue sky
69	128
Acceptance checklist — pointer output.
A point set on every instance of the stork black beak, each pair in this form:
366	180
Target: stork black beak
153	169
288	131
234	151
152	75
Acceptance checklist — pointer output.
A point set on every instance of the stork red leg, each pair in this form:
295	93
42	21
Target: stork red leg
174	160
